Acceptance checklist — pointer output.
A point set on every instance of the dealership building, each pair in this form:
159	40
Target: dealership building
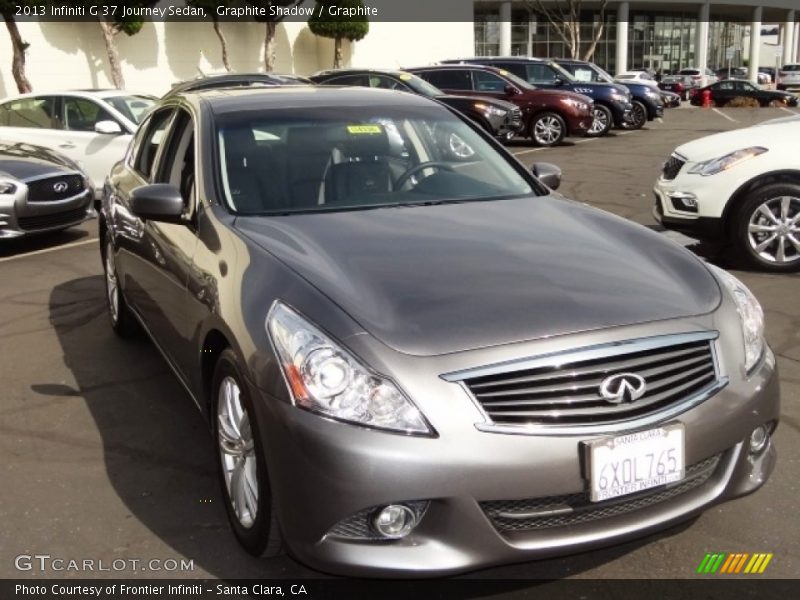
635	34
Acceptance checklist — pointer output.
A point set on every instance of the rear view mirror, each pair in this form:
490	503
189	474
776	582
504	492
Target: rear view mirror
107	127
548	174
157	202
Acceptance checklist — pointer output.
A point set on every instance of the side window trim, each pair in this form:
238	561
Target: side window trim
148	177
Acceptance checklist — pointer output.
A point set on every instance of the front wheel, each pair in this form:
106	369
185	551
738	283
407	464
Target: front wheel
603	121
122	320
548	129
767	230
638	116
242	464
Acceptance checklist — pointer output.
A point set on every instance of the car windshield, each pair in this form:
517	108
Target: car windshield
562	72
420	86
295	160
133	108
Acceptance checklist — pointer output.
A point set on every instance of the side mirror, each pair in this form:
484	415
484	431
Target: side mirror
559	81
107	127
157	202
510	90
548	174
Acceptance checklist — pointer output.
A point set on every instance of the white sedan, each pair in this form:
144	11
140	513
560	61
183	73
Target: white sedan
742	186
636	77
92	127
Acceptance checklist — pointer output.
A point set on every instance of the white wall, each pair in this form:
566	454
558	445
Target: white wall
72	55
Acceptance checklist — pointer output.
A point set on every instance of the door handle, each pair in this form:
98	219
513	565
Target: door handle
66	145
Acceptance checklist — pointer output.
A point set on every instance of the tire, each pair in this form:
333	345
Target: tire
547	129
603	121
122	320
241	461
638	116
764	241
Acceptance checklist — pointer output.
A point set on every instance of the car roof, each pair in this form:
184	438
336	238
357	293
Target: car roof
85	93
465	65
356	71
493	58
228	100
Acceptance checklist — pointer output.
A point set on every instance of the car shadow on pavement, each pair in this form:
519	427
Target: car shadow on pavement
159	458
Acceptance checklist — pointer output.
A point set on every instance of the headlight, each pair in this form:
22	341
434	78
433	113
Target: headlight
653	94
6	187
751	316
492	111
578	104
324	378
616	97
723	163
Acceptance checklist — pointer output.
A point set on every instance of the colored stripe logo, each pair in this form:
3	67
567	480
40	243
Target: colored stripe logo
728	563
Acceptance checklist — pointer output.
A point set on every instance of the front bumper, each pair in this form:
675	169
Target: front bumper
324	472
580	125
19	217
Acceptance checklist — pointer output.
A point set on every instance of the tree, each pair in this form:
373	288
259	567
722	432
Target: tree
210	8
338	27
271	25
565	17
112	24
8	8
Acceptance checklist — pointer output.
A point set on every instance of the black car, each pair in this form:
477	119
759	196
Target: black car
207	82
500	118
671	99
612	101
725	91
40	191
647	102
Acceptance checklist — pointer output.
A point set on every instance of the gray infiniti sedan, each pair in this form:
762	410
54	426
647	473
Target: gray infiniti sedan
415	358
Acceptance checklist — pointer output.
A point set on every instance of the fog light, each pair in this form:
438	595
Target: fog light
395	521
759	439
684	201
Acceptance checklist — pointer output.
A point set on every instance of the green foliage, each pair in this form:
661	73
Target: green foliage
338	27
266	4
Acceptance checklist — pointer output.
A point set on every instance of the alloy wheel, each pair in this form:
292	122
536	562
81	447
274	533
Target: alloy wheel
112	289
547	130
237	452
600	123
774	230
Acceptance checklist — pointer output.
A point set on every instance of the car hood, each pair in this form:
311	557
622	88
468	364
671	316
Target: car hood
24	161
719	144
438	279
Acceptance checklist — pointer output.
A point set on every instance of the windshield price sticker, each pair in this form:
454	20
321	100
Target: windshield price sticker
637	461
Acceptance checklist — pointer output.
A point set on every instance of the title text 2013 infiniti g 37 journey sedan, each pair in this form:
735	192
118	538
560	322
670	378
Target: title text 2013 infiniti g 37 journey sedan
419	360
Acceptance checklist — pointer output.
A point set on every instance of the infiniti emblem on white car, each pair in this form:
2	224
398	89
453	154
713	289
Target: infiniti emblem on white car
60	187
623	387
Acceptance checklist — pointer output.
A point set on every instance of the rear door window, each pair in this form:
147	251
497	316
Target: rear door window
35	113
449	79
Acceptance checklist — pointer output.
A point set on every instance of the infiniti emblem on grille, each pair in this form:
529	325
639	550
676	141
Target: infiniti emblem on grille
623	387
60	186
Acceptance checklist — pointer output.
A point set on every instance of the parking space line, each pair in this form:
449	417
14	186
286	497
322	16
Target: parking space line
48	250
529	151
719	112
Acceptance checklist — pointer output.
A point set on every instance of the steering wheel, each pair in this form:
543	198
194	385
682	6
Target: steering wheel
401	181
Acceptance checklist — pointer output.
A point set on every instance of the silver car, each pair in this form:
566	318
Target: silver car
40	191
415	357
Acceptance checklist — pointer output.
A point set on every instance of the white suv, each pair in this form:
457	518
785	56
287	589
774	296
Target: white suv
743	186
789	77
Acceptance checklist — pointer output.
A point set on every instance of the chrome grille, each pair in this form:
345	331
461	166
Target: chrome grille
672	167
573	509
42	190
514	118
564	389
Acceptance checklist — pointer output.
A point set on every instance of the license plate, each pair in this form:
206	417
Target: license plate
633	462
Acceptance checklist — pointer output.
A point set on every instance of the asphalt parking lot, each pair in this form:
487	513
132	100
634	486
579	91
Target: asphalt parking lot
103	455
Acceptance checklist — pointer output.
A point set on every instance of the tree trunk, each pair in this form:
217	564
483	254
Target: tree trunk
113	55
18	60
269	46
222	42
593	46
337	52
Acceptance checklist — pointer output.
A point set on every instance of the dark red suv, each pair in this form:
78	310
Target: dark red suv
548	115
